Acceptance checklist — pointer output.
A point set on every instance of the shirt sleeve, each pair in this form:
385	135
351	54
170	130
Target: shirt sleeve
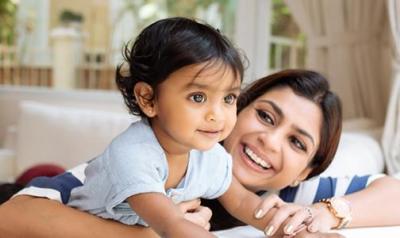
134	169
315	189
56	188
221	178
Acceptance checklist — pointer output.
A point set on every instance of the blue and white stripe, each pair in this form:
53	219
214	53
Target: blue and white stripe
317	188
57	188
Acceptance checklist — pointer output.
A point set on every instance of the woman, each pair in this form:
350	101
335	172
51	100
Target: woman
287	131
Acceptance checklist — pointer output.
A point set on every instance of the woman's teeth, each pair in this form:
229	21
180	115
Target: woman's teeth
256	159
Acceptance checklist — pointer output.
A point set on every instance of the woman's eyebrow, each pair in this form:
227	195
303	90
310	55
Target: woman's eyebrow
275	107
306	134
278	111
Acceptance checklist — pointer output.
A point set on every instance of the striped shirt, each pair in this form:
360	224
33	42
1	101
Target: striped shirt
308	192
317	188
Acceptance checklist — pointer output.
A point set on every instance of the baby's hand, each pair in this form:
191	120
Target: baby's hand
294	217
194	212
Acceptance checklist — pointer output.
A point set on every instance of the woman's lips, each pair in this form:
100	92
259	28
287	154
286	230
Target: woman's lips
250	163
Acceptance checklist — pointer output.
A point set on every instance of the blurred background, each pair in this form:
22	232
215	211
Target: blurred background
34	34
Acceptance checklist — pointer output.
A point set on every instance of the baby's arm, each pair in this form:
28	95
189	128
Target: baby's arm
164	216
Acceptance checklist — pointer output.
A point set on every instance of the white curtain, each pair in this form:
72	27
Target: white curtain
347	42
391	133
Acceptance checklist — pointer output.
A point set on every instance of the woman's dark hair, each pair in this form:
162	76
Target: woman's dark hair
169	45
315	87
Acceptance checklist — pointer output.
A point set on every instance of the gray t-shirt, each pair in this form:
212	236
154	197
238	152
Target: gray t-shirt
135	163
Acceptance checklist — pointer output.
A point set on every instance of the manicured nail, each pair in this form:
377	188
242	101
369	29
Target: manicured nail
288	229
259	213
269	230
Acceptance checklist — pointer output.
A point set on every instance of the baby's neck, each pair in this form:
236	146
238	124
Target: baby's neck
177	167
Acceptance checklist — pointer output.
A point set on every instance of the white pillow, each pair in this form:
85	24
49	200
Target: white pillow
62	135
358	154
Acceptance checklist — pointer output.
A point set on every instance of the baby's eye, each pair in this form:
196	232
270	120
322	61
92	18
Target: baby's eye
265	117
198	98
296	142
230	99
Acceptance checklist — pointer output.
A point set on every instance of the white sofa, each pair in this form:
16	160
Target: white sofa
68	127
59	127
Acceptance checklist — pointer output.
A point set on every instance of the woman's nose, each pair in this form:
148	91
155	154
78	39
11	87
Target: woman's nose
271	141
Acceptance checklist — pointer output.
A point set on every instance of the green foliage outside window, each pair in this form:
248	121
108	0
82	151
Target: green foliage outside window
68	16
7	21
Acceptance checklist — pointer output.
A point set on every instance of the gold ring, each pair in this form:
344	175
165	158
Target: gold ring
309	213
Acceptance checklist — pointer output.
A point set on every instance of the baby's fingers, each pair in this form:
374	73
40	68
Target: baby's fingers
189	205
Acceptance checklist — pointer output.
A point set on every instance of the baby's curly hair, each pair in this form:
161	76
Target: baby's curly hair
169	45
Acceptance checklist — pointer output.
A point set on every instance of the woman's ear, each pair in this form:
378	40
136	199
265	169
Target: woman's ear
303	175
144	95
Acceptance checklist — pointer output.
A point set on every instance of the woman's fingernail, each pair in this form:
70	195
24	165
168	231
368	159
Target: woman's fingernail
269	230
259	213
288	229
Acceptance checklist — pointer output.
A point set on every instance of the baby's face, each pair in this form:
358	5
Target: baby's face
195	107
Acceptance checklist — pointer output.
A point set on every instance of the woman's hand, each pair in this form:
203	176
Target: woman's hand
292	217
307	234
194	212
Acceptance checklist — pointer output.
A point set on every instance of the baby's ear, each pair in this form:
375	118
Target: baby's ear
144	95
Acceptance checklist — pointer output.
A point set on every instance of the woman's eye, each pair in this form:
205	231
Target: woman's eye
198	98
230	99
265	117
298	144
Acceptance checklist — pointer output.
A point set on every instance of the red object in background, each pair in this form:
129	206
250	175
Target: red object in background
48	170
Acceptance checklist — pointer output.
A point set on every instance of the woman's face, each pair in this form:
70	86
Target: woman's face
274	139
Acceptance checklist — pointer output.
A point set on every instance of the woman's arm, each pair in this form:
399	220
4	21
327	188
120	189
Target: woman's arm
244	205
25	216
376	205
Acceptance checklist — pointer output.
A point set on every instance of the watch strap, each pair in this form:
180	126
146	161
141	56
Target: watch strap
343	220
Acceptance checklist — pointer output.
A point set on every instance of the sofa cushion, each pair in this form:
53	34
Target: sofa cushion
64	135
357	154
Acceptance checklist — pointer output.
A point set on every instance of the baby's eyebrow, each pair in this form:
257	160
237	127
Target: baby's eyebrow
197	85
235	89
207	86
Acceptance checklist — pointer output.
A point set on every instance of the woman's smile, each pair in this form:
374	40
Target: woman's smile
257	162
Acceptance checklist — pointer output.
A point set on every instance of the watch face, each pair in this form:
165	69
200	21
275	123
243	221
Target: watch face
341	206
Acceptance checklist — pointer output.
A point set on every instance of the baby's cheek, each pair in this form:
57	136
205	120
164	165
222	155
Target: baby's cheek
230	125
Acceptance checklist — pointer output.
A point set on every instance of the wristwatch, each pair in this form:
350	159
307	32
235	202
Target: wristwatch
340	208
